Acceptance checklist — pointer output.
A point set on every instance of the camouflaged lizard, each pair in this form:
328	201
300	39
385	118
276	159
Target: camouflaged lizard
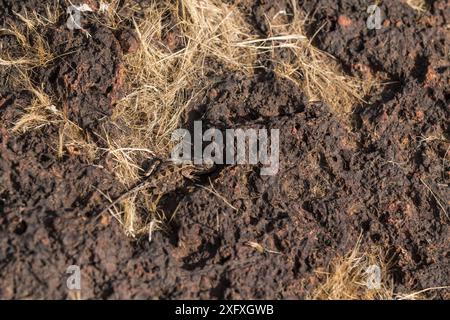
164	176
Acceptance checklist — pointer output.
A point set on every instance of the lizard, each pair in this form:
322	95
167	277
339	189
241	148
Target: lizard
163	177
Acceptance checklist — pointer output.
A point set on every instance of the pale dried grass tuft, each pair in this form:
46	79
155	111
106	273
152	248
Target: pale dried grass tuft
42	112
418	5
348	276
135	224
29	52
163	80
32	50
313	70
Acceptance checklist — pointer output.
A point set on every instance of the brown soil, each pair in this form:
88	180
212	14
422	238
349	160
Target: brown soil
372	174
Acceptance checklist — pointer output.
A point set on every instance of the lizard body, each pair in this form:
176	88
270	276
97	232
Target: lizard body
163	177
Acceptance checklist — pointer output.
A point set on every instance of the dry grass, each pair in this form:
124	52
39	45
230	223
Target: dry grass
32	51
114	13
315	71
347	279
27	50
135	224
42	112
418	5
213	29
163	80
